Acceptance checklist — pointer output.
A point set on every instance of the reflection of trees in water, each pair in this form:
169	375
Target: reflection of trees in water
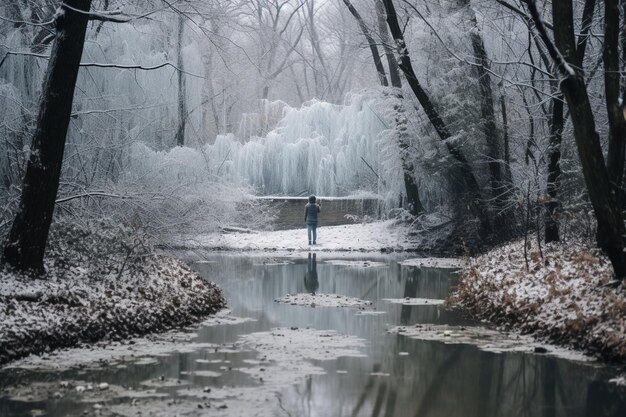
436	390
410	290
605	400
446	380
435	379
304	395
366	393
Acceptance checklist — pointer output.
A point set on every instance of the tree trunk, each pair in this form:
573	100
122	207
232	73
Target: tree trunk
557	123
392	64
408	169
554	171
182	90
477	205
612	81
380	70
602	192
508	176
499	189
29	233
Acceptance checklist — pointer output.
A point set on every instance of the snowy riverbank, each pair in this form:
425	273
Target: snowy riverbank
386	236
562	296
99	285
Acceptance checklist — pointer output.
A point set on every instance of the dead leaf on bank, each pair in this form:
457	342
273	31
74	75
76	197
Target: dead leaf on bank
586	257
474	273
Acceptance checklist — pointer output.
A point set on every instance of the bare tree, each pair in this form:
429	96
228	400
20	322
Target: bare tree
383	33
25	247
600	180
380	69
182	90
499	190
557	123
408	168
273	20
476	203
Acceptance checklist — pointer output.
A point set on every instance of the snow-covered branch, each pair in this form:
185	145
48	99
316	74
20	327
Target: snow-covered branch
562	65
115	16
91	194
105	65
519	12
138	66
26	22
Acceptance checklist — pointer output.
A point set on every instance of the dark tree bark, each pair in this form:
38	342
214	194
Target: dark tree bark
380	69
554	170
556	117
488	117
408	169
477	205
392	64
412	192
29	233
602	191
557	123
182	90
508	176
612	81
499	190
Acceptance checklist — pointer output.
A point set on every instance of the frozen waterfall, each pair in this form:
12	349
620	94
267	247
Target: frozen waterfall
319	148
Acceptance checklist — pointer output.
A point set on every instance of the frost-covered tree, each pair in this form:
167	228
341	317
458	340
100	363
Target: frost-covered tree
472	187
602	177
27	239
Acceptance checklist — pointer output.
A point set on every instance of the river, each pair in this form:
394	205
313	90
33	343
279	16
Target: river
230	367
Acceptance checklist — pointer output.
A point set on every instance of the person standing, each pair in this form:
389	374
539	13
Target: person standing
311	210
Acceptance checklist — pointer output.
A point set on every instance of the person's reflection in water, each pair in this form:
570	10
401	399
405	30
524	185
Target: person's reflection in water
310	278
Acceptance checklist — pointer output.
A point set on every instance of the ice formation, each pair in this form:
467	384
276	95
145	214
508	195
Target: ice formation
319	148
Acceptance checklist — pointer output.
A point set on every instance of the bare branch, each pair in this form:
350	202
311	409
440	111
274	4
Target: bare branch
563	66
91	194
106	65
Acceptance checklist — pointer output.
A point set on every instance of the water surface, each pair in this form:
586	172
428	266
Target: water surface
397	376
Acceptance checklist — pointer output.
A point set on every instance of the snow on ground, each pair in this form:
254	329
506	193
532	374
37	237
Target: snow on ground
450	263
138	350
408	301
141	350
103	284
377	236
322	300
562	297
485	339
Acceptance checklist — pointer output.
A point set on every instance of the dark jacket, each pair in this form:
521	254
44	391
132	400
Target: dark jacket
310	213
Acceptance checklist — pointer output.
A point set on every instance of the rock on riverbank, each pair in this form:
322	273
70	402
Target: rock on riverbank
102	282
